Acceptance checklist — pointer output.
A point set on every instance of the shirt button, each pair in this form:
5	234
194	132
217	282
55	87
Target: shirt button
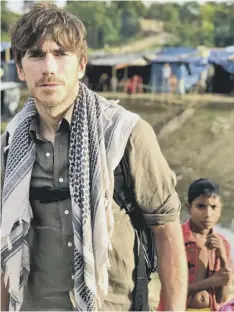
69	244
66	212
73	277
60	180
47	155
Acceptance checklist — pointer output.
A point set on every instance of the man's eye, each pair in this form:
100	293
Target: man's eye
200	206
60	53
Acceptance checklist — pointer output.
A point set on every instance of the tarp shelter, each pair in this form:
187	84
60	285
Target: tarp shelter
224	58
194	65
223	62
120	66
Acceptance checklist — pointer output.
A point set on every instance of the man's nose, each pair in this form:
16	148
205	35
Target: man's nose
50	65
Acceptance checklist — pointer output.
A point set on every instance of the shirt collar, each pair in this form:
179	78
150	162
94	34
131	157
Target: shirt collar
34	126
34	129
187	233
68	114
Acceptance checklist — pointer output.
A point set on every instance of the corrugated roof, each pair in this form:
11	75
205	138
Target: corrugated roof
130	59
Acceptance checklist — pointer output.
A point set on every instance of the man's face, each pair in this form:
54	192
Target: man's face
51	74
205	211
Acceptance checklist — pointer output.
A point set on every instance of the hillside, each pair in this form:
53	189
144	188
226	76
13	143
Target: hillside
203	147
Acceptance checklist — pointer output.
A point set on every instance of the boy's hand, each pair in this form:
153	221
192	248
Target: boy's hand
223	277
214	241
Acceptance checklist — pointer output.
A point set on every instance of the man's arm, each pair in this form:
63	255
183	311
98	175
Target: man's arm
154	187
4	295
172	264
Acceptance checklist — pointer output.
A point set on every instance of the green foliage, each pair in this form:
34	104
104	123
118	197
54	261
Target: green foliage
111	23
108	23
210	24
8	18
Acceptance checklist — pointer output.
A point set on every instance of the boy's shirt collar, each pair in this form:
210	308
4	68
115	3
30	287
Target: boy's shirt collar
187	232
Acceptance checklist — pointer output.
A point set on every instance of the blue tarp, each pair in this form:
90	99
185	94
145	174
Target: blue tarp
194	66
223	57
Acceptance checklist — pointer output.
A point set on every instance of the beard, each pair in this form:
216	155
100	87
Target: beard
50	99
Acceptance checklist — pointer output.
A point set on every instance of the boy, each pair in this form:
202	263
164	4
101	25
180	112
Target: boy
208	253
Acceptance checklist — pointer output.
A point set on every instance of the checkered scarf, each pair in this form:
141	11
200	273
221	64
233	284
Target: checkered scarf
99	133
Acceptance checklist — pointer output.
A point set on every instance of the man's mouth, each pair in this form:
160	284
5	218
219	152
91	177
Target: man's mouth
50	85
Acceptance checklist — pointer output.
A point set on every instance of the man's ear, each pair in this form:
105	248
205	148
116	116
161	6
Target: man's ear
82	66
20	72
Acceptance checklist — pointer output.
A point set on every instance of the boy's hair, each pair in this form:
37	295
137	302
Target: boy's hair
45	21
202	187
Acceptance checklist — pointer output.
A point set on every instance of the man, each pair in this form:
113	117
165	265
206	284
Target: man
166	75
66	244
181	76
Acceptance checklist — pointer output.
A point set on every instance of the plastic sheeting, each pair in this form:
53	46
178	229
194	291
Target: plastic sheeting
224	58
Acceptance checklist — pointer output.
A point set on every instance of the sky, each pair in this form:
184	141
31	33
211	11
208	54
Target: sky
16	5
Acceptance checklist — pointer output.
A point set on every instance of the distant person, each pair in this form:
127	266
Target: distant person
104	82
85	80
181	76
114	84
166	75
208	253
134	85
203	81
210	78
1	73
173	84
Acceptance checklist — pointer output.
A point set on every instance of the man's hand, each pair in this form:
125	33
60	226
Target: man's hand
221	278
214	241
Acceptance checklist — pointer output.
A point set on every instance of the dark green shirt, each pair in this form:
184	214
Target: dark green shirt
51	234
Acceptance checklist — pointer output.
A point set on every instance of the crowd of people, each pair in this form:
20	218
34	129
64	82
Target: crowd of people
85	187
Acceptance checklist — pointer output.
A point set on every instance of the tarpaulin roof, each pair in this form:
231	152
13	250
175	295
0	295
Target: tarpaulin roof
195	64
219	56
223	57
118	60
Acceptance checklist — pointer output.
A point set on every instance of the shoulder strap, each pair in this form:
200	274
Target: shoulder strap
125	198
123	189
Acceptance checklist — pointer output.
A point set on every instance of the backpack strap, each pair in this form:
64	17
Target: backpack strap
125	198
141	302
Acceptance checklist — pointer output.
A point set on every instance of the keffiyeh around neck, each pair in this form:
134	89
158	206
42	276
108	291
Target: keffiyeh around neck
99	133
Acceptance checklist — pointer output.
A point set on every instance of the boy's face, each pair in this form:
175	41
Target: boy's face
205	211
